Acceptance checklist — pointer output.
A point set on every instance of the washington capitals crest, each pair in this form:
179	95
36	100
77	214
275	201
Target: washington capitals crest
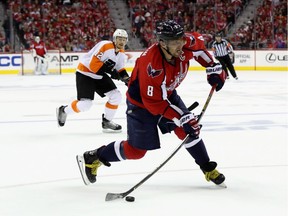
153	72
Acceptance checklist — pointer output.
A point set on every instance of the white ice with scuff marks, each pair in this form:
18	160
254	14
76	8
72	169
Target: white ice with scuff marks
244	129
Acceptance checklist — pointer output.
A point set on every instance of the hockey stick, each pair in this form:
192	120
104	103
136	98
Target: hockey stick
206	103
113	196
193	106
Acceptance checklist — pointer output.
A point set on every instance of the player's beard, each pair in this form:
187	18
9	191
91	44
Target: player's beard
120	46
177	53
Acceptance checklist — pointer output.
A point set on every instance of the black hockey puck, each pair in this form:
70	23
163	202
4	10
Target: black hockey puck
130	199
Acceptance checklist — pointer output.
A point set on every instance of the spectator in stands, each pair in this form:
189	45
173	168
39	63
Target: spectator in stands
6	48
279	43
6	27
2	40
68	47
67	2
139	22
244	43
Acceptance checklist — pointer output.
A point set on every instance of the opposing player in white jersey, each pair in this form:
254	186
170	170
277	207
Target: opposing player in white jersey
105	58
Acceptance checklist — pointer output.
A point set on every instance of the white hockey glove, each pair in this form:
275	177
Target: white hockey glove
216	75
190	124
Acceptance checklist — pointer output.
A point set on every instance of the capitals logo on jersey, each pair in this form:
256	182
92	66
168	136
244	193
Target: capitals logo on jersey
153	72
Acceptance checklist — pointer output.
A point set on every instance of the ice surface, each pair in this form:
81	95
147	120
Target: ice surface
244	129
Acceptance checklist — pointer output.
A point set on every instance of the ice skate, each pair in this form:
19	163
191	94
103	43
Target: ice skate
211	174
110	126
61	116
88	165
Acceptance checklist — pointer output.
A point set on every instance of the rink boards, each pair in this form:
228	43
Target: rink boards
245	60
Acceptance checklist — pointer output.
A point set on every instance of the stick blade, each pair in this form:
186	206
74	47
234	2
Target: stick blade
113	196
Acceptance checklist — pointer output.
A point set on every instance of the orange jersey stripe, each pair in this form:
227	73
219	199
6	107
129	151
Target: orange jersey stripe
111	106
82	67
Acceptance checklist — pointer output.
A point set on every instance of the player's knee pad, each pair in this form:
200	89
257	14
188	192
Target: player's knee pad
114	96
132	152
82	105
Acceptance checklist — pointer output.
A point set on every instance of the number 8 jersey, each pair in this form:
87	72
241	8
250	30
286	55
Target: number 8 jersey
154	79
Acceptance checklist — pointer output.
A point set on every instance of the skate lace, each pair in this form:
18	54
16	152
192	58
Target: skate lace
211	175
94	166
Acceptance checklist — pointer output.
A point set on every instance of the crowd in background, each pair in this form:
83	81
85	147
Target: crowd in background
77	25
268	29
207	16
62	24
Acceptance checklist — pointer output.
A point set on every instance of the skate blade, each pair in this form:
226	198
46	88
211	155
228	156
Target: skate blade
111	131
222	185
80	162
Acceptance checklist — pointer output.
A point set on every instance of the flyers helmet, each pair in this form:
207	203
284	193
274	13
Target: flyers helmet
119	33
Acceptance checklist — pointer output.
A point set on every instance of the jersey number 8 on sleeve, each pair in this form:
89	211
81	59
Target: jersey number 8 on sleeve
150	91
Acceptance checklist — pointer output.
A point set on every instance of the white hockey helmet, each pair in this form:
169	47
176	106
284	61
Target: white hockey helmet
119	33
37	39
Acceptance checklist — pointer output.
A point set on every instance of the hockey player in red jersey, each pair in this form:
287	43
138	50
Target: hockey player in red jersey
153	102
39	53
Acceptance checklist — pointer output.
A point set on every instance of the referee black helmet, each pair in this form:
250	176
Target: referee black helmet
218	35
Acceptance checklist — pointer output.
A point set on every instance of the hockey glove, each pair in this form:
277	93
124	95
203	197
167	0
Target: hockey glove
107	67
125	80
216	76
124	77
190	125
114	74
109	64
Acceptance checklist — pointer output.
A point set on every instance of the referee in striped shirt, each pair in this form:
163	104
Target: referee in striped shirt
221	49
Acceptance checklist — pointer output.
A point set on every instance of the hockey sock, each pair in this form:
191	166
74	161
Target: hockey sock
112	152
110	111
199	153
